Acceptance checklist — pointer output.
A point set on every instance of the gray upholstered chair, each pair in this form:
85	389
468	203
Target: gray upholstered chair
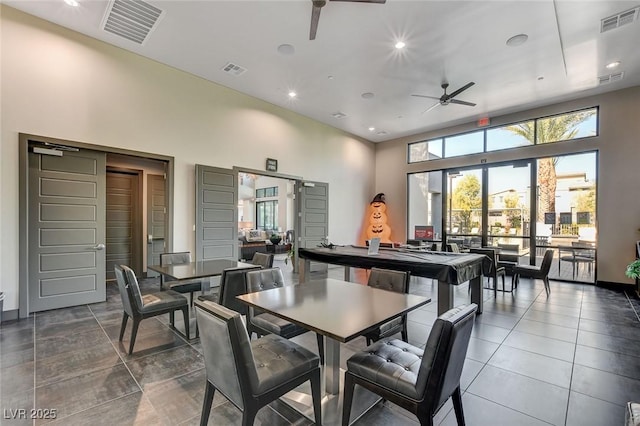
535	272
250	374
263	259
139	307
418	380
397	281
182	286
495	271
263	323
453	247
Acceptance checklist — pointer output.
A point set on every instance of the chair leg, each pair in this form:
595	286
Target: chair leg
320	340
172	318
249	416
209	392
316	394
191	299
456	398
185	315
125	317
503	285
368	341
348	399
134	333
546	285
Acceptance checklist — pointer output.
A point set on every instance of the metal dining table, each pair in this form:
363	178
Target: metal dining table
340	311
200	269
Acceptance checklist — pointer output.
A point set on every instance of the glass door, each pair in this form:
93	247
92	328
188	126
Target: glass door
508	210
464	218
566	216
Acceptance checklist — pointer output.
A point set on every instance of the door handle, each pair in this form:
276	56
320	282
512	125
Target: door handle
99	247
149	239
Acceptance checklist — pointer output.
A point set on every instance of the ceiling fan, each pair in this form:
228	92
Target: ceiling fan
447	99
319	4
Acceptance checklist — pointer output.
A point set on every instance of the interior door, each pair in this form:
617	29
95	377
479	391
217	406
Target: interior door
313	215
216	213
156	214
123	221
66	229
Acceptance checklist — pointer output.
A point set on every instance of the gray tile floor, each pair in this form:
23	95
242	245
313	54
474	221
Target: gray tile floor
570	359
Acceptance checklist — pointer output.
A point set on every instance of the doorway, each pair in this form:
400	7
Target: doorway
66	245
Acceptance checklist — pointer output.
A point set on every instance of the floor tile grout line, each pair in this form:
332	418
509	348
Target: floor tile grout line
573	363
117	351
632	307
507	407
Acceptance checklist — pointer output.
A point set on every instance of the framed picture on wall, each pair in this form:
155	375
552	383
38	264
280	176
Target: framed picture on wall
272	165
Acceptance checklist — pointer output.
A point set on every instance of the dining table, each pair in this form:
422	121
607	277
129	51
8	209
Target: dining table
449	269
199	269
340	311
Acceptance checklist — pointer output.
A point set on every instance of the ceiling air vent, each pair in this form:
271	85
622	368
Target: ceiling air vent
131	19
233	69
610	78
338	115
619	20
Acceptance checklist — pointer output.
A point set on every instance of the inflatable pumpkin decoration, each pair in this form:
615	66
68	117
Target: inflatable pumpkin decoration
378	227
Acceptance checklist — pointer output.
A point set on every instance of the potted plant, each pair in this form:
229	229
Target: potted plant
290	254
633	270
275	239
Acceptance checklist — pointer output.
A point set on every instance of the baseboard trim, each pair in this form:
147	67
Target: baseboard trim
612	285
10	315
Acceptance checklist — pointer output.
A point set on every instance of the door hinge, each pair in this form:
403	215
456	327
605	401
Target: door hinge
299	214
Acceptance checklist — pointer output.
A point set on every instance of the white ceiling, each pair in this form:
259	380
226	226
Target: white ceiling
453	41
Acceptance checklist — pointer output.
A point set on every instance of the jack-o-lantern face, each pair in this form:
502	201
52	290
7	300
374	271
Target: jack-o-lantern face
377	229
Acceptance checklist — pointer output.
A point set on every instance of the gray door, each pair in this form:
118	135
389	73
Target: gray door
216	213
66	229
313	215
123	221
156	213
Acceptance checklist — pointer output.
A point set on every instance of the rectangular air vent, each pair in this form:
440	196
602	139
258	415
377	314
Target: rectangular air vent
131	19
619	20
611	78
338	115
233	69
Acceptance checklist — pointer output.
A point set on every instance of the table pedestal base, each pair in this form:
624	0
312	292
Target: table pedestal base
301	401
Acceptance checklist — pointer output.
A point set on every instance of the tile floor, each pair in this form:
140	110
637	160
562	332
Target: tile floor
570	359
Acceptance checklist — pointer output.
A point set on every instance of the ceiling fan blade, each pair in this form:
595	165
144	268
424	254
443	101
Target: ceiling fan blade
431	107
365	1
425	96
315	17
460	90
455	101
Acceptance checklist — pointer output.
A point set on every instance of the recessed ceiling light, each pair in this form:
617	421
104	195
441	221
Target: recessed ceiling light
330	77
371	129
613	65
72	3
400	45
540	78
292	94
286	49
367	95
381	133
517	40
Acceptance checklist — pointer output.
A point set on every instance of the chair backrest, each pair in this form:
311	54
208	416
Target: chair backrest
545	266
490	253
453	248
178	258
262	259
233	282
444	355
436	247
125	294
387	279
228	357
264	279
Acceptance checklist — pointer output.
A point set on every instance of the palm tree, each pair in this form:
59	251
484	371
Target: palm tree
552	129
